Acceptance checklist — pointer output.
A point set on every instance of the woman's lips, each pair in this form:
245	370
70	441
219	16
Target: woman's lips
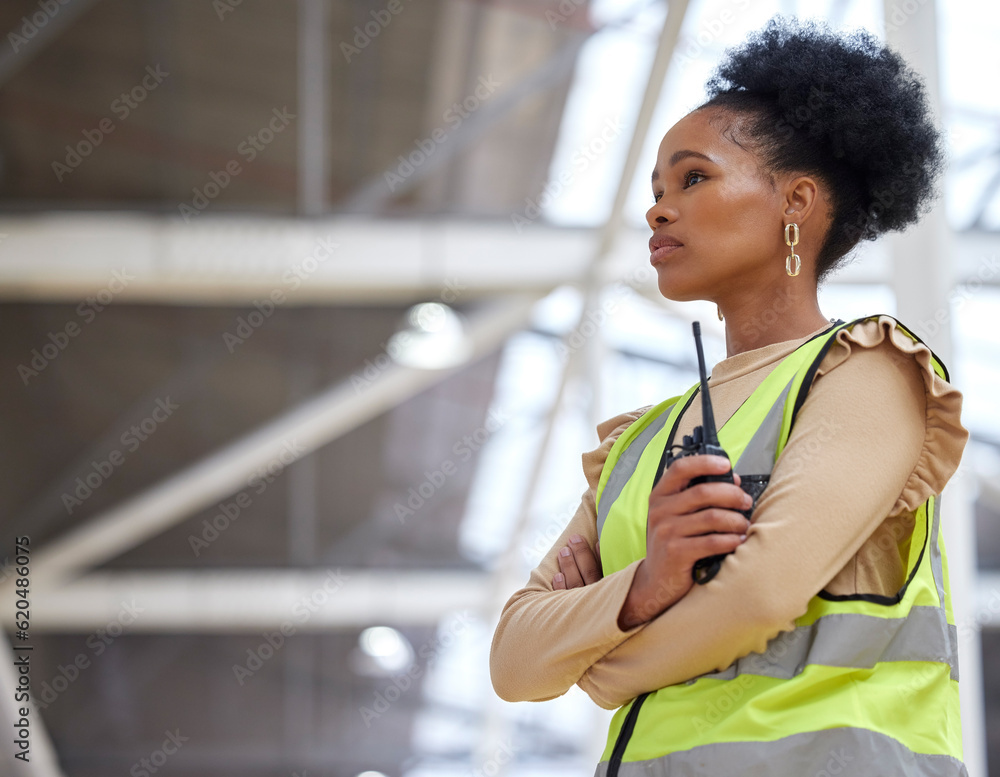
662	253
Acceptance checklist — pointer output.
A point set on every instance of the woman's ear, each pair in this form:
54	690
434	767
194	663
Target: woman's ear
802	198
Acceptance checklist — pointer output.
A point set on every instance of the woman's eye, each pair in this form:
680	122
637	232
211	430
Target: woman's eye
656	197
689	176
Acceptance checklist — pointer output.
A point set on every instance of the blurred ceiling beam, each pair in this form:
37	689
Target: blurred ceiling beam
312	424
67	257
237	601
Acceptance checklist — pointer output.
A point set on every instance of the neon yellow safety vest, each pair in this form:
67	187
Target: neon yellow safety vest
864	684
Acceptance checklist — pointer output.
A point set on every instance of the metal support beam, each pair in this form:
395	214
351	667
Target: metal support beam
376	192
313	163
241	601
304	429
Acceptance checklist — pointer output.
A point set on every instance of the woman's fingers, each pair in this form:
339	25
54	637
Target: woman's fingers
677	476
713	545
569	569
705	495
586	559
707	521
578	564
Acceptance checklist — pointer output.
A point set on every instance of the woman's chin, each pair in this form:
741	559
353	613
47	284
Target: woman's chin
676	292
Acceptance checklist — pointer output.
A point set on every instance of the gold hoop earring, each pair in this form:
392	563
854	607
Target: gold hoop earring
718	312
791	240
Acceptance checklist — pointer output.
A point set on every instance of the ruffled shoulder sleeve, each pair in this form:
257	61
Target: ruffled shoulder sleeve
944	435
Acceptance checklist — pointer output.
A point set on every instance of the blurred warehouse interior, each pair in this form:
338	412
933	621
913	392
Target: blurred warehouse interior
309	310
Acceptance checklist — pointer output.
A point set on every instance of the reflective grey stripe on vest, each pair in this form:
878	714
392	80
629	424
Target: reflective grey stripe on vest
936	551
758	457
938	573
845	752
853	640
625	467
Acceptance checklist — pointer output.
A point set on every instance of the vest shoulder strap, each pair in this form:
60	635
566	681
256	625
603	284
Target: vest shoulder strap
619	465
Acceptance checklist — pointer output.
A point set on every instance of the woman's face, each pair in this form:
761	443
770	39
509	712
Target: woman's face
723	219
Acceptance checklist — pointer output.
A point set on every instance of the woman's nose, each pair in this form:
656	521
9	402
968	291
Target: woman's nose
659	213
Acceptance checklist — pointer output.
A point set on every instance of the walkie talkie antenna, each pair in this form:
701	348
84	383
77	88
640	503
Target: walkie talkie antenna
711	437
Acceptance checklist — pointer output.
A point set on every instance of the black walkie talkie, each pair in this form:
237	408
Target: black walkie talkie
703	440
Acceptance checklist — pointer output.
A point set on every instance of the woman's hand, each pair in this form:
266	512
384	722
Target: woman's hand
579	564
684	525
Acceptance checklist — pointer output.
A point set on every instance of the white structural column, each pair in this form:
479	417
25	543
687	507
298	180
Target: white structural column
923	276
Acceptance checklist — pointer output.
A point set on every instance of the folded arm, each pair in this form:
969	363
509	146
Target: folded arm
845	464
547	636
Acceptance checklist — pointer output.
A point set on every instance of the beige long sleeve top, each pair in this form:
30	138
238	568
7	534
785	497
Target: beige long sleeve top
878	434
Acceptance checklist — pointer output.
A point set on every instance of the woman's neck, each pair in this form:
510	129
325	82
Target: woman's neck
750	325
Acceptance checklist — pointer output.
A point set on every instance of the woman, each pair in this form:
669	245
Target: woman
825	643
